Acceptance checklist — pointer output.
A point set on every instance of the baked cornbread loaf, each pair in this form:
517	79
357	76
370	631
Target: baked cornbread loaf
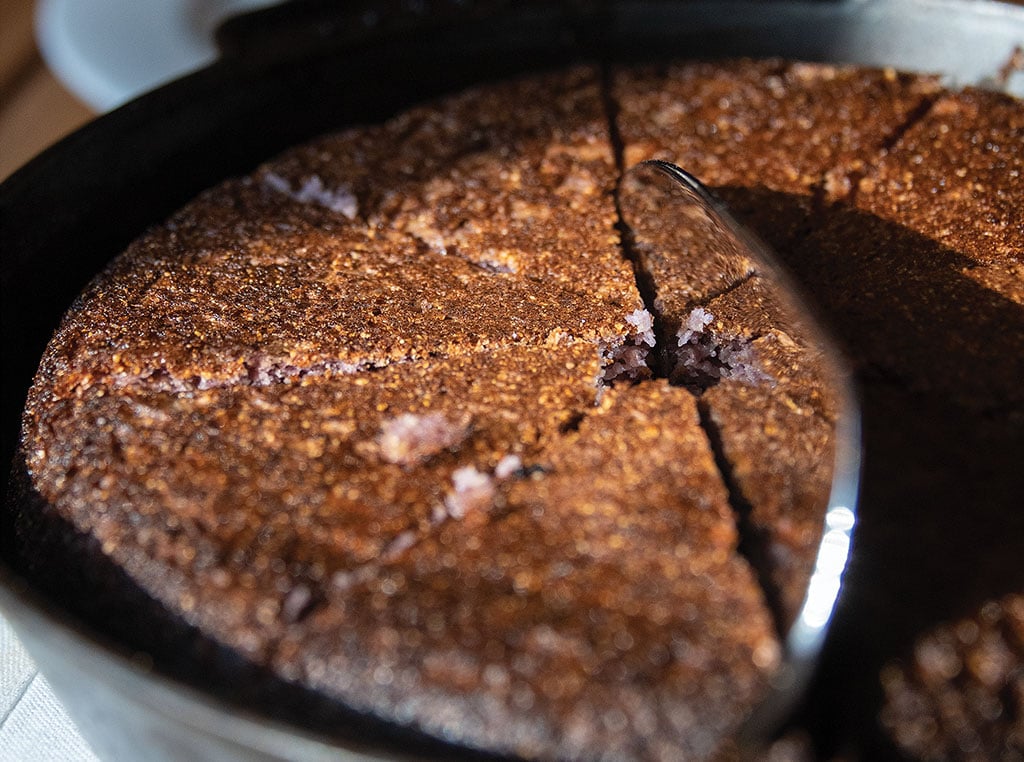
391	419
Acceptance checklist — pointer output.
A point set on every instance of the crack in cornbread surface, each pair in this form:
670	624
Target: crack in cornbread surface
781	127
952	178
248	282
572	625
288	481
791	434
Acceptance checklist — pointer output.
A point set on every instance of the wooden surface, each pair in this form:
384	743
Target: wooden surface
35	109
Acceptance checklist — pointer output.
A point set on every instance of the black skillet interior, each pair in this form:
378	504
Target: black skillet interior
289	74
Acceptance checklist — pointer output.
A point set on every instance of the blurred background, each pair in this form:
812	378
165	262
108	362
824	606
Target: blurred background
64	61
35	108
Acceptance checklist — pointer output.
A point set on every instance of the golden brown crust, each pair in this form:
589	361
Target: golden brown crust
578	622
935	229
495	227
206	494
773	125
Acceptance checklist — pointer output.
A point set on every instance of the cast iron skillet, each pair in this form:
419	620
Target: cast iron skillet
288	74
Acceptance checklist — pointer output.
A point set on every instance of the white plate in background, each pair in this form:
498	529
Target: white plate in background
109	51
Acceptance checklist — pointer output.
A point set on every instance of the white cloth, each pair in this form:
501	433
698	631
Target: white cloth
33	725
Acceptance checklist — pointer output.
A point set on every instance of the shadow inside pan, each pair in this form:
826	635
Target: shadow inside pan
938	362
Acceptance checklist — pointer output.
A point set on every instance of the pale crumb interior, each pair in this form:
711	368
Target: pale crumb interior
702	357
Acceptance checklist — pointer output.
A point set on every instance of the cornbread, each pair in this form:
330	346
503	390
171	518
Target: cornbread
407	419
